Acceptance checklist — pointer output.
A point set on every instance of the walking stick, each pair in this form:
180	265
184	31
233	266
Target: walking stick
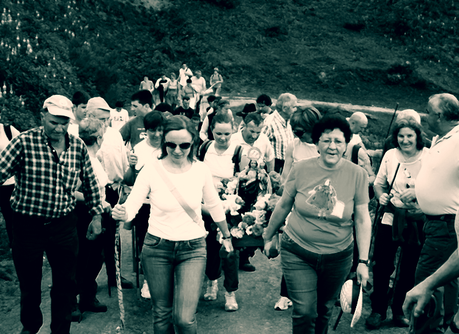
118	276
375	222
392	120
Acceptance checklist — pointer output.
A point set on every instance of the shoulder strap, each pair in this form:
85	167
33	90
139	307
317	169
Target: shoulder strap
203	150
8	133
176	193
355	154
237	158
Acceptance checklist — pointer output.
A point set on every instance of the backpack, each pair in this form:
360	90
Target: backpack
355	160
8	133
236	156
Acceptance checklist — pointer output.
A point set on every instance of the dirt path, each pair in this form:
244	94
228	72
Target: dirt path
256	296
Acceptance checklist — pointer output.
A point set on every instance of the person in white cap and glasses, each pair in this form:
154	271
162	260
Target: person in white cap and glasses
114	157
47	163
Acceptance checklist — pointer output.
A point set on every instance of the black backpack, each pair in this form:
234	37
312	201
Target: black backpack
355	160
236	156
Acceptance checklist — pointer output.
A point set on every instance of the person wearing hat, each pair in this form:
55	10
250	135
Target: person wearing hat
216	81
114	157
47	163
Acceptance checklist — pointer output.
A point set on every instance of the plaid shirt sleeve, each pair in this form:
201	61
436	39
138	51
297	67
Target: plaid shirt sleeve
89	185
10	159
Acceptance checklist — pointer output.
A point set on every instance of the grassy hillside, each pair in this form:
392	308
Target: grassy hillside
374	52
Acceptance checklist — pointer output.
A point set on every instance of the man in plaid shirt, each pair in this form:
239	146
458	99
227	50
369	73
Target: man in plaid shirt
47	164
278	129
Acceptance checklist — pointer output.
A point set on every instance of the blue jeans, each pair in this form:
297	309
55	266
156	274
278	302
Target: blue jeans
175	273
313	283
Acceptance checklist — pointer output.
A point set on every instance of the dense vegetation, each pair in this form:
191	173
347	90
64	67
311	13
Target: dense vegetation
368	52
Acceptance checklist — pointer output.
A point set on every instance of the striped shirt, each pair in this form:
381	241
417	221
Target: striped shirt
46	182
279	132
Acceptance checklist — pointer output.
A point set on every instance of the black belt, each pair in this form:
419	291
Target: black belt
449	217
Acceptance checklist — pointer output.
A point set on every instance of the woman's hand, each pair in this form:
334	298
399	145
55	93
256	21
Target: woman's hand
362	274
119	213
228	244
384	199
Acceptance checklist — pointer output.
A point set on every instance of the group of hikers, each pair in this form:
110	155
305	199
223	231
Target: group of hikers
89	169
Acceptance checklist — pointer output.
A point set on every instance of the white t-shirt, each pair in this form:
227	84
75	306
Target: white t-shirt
168	219
4	141
113	155
220	165
145	152
262	143
118	118
355	140
302	151
437	184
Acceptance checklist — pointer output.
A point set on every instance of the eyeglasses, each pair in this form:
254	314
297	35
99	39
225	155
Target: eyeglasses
328	142
183	146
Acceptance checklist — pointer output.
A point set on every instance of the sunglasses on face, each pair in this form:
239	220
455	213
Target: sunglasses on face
183	146
299	133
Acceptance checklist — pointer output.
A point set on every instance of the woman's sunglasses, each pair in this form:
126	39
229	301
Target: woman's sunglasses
183	146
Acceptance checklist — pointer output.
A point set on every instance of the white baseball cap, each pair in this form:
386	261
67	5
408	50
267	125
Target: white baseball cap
58	105
97	103
351	299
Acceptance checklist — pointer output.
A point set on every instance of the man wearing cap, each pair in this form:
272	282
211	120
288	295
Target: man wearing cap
437	192
47	163
114	158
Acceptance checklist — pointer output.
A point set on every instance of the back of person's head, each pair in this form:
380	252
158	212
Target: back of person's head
284	99
211	98
409	113
188	81
153	120
305	118
173	75
248	108
255	118
331	122
411	124
221	118
164	107
448	104
88	130
80	98
221	104
144	97
265	99
119	104
177	123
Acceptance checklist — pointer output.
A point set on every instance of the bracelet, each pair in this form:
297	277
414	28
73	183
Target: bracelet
228	238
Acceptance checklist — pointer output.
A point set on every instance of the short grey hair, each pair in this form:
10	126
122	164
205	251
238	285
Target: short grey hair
285	98
448	104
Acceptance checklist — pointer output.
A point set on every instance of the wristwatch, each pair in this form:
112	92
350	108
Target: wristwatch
227	238
365	262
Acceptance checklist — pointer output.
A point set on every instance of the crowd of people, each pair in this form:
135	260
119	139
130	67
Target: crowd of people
68	184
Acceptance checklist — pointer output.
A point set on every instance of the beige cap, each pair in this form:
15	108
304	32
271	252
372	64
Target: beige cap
58	105
97	103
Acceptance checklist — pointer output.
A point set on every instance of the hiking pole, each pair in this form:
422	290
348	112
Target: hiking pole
392	120
375	222
118	275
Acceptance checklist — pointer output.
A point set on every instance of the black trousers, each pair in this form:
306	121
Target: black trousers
5	206
90	257
32	237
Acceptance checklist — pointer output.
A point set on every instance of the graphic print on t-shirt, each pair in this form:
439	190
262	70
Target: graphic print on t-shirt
324	201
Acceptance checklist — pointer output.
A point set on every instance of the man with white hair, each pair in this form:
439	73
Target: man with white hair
437	192
277	128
